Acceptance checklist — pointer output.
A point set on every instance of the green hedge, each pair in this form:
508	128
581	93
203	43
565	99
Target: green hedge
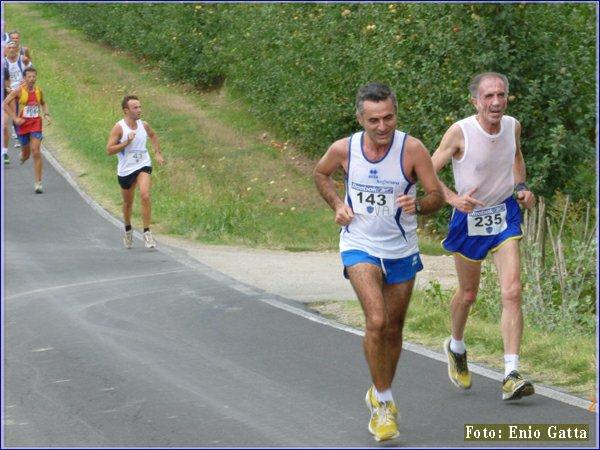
298	66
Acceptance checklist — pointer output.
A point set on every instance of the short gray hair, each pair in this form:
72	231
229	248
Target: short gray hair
375	92
477	79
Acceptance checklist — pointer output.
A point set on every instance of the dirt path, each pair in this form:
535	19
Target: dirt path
302	276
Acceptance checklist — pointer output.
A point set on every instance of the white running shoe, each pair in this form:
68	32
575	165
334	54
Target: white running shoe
128	239
38	187
149	241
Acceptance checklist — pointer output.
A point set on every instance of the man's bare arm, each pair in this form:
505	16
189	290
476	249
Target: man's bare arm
422	166
335	157
155	144
452	145
113	146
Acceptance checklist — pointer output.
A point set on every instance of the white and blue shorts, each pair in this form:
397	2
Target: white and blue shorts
394	271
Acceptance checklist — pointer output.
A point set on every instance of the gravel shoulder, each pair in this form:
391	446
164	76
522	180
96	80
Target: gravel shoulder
302	276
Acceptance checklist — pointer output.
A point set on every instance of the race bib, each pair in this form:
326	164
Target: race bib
372	200
31	111
136	157
488	221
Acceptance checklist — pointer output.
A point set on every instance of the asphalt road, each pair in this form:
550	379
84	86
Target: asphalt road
105	347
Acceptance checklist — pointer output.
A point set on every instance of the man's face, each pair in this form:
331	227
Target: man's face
30	78
492	100
379	120
133	109
11	51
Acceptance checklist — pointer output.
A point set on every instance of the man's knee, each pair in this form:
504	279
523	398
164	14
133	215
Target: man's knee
393	331
511	293
467	296
145	196
375	325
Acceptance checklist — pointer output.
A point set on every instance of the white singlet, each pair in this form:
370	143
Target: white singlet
15	71
378	227
135	155
487	162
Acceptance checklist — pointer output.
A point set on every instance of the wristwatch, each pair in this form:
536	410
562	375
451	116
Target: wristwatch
521	187
417	206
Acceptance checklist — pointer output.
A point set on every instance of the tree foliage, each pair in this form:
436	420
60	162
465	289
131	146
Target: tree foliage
298	66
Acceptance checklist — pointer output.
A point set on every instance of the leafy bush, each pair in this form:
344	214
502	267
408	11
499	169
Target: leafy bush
558	262
298	66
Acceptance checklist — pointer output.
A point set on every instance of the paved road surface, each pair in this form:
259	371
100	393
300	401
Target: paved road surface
109	347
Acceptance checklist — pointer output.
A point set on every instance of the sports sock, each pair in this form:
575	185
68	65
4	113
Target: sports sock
384	396
127	227
4	151
458	346
511	362
146	229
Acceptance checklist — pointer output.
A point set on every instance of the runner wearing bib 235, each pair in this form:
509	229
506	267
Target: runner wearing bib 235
488	167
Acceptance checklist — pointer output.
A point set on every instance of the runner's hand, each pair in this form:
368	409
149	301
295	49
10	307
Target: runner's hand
19	121
526	199
160	159
344	215
131	136
467	203
407	204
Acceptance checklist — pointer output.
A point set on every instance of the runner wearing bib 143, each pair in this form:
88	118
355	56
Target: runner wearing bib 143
378	241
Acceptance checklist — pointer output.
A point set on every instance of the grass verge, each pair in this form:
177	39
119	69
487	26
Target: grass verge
227	180
566	361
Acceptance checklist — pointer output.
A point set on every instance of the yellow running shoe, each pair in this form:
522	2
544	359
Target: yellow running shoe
515	386
382	425
458	371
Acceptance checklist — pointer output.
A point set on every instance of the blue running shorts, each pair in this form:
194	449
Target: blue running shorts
394	270
25	138
476	248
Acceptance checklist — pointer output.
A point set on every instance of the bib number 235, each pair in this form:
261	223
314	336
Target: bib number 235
487	222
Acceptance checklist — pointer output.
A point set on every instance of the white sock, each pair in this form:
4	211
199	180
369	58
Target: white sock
384	396
458	346
4	151
511	362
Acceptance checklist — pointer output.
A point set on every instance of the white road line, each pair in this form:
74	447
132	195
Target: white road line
87	283
541	390
423	351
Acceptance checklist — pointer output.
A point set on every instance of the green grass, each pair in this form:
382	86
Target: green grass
225	180
228	180
564	360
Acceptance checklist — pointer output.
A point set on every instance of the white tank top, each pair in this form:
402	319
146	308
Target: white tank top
135	155
15	71
487	162
378	227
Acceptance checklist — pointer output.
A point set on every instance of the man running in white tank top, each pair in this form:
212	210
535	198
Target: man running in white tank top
378	241
128	141
488	167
